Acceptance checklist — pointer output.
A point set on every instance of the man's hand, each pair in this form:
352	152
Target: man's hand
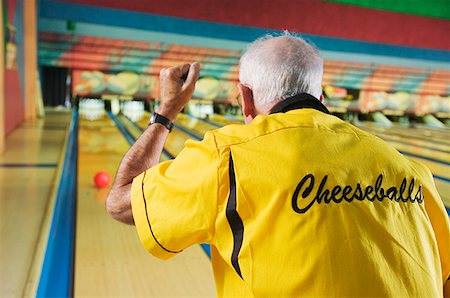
177	85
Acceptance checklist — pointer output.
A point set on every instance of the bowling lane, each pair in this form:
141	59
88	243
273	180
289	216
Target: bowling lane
443	188
410	141
442	137
110	261
418	130
425	151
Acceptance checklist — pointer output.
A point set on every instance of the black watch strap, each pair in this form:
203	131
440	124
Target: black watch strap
157	118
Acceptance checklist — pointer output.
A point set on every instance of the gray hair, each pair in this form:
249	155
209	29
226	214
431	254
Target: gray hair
278	69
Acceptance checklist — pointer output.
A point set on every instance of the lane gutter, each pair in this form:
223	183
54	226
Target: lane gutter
57	275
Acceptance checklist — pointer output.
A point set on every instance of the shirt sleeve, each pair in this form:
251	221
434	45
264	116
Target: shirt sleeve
174	203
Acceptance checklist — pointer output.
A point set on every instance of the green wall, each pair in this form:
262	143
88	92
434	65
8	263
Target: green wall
429	8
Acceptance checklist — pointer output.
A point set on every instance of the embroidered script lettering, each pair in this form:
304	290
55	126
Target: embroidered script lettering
349	193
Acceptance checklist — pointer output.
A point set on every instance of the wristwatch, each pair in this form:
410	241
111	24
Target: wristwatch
157	118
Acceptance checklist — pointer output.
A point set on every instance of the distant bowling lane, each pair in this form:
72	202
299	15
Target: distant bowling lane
443	188
411	140
110	260
436	136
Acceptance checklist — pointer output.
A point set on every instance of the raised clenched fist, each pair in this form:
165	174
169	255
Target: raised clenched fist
177	85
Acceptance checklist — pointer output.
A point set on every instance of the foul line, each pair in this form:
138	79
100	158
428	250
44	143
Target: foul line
28	165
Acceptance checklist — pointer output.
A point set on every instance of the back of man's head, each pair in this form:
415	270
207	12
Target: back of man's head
276	68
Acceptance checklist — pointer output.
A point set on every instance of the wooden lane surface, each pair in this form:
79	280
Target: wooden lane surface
24	195
110	260
420	130
396	139
444	191
441	136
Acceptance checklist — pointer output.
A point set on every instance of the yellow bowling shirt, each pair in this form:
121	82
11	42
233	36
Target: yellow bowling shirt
299	204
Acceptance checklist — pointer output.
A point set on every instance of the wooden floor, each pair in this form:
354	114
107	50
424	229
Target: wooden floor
27	173
110	261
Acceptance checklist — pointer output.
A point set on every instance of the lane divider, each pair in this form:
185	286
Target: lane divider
205	247
57	273
127	135
441	178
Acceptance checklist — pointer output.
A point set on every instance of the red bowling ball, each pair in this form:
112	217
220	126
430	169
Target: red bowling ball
102	179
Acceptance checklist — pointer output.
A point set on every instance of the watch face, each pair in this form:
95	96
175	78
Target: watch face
152	118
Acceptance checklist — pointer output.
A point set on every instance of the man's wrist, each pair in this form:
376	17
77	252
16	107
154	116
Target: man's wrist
169	113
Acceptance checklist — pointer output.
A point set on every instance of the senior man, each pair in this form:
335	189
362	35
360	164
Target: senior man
296	202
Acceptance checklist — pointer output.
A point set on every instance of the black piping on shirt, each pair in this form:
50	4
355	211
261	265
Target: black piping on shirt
148	220
235	221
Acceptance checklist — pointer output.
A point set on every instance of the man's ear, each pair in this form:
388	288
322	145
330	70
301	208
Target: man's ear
248	105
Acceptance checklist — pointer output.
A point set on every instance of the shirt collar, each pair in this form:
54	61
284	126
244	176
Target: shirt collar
299	101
